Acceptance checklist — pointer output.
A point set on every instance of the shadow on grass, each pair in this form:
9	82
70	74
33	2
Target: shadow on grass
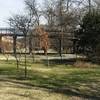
57	88
82	83
71	84
68	84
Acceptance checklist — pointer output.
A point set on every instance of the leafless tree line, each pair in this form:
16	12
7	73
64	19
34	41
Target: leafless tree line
63	15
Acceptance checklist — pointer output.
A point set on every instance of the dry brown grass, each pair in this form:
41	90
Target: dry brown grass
80	82
10	90
15	91
82	64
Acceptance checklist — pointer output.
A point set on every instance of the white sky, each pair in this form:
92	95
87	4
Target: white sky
8	8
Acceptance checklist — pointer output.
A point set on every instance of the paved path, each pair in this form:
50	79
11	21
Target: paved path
64	56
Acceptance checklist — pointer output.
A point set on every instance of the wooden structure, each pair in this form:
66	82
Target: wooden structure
11	32
53	35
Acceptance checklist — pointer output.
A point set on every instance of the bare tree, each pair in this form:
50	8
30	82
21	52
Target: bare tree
22	23
43	39
49	12
33	10
25	23
62	14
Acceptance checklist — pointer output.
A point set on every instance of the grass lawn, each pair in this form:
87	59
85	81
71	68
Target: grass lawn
56	82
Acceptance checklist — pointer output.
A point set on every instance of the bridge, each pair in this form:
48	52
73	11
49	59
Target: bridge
9	32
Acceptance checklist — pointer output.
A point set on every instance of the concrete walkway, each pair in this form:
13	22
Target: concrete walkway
42	57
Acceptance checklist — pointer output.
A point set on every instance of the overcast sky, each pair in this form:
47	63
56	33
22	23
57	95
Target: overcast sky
9	7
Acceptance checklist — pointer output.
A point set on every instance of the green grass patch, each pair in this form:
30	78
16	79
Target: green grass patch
65	79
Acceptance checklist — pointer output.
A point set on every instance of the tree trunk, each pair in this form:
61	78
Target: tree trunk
25	59
89	6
